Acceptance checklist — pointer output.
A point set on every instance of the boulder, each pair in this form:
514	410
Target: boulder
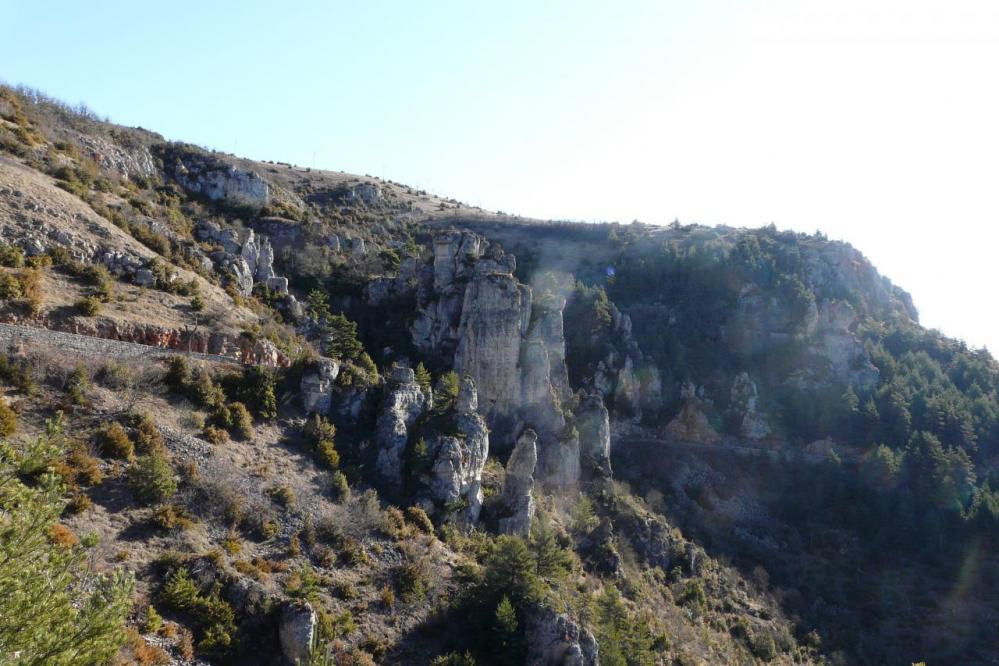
297	631
262	352
144	278
278	285
554	639
317	386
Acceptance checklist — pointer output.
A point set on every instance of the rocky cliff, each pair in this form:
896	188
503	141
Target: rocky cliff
509	342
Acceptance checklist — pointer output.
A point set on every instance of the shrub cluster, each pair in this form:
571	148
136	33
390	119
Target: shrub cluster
214	619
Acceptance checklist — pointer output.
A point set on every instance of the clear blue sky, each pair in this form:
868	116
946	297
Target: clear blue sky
874	121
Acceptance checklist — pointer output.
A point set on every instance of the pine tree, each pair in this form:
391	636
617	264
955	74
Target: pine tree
340	335
446	392
510	571
52	610
422	377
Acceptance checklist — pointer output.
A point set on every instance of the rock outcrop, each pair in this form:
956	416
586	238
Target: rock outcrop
127	162
404	402
843	353
297	630
555	639
593	423
691	424
495	313
751	423
213	178
476	316
761	322
317	386
247	262
456	476
238	348
517	502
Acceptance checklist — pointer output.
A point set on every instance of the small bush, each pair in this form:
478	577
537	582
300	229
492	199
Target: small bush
258	391
693	594
418	517
387	596
454	659
763	645
89	306
153	621
19	373
152	479
11	256
215	619
169	517
148	439
102	281
339	487
178	374
319	435
8	420
10	287
242	421
118	376
394	524
62	536
215	435
115	443
327	455
84	467
77	385
207	392
31	288
283	496
78	503
412	580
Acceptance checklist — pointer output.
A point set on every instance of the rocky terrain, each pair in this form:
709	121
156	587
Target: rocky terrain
378	426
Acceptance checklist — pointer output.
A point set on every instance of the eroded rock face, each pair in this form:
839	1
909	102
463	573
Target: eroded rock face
259	257
317	386
835	342
248	262
128	163
263	352
593	423
297	630
555	639
211	177
752	424
238	349
456	477
510	344
404	403
517	502
494	316
369	193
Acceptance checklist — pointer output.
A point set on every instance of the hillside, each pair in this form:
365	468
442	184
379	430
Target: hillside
420	432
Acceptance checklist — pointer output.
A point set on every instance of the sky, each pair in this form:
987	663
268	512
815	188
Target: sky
874	121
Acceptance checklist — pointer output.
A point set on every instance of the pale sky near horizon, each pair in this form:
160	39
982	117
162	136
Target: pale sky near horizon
876	122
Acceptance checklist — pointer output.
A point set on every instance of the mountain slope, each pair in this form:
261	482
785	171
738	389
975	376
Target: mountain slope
460	433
